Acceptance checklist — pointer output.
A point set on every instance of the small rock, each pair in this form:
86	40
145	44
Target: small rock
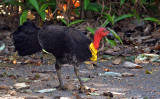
127	74
66	98
69	86
20	86
31	97
12	92
4	87
108	94
28	91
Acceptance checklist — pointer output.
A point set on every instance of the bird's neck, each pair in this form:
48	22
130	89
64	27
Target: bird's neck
97	39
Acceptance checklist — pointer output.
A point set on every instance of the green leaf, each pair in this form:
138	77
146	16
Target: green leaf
74	22
23	17
122	17
91	30
105	23
42	14
86	2
122	2
34	4
40	2
64	21
152	19
44	6
135	14
94	7
109	18
114	33
112	42
76	11
13	2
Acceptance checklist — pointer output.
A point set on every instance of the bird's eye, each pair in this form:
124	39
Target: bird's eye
104	30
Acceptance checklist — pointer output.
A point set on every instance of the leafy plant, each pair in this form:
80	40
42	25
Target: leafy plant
92	6
152	19
69	24
114	19
29	5
122	2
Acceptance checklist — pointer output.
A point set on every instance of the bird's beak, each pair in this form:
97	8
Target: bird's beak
110	36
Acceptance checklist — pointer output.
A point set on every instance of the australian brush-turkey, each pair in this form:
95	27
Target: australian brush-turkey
68	45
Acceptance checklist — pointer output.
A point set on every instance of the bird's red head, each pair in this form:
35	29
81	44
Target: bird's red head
100	32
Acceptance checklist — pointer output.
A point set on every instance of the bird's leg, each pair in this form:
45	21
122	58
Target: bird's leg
58	70
76	70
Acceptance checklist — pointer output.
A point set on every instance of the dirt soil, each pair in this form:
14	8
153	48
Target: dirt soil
140	86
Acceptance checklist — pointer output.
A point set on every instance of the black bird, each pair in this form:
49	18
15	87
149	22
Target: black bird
68	45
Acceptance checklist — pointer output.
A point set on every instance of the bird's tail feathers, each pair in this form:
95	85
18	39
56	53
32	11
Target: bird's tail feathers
26	39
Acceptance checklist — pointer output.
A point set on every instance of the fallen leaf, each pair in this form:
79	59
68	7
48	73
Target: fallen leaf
131	65
46	90
14	61
117	61
94	94
2	47
149	72
138	61
112	74
106	69
20	86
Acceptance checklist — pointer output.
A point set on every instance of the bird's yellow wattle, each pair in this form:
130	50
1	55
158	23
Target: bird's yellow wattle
93	51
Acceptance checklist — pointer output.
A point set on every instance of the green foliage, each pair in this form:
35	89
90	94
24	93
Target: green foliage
13	2
122	2
136	15
114	19
115	34
92	6
152	19
123	17
86	2
29	5
23	17
74	22
36	6
91	30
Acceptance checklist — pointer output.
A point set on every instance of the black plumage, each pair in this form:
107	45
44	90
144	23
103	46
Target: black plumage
68	45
